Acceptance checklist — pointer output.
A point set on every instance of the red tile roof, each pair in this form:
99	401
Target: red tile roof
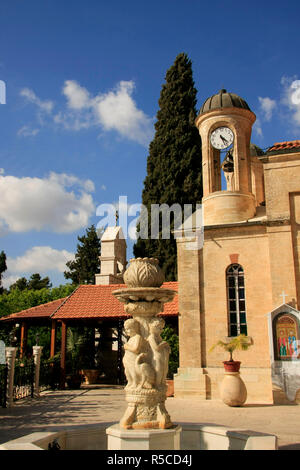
280	146
40	311
97	301
89	301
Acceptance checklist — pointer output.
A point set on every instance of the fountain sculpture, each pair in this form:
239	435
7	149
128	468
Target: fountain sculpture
146	424
146	355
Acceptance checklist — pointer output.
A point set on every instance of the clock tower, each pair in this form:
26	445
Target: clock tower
234	281
226	119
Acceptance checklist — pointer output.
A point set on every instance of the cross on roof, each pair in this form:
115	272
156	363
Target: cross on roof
283	295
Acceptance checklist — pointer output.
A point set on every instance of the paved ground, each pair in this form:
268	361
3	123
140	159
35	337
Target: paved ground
55	410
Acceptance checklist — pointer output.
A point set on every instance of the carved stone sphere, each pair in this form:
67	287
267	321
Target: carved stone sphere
144	272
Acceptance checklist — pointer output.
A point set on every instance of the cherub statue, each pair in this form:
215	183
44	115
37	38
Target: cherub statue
137	363
161	350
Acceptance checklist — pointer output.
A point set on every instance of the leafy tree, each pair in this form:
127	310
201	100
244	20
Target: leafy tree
80	348
36	282
174	162
3	268
20	284
170	335
86	264
17	300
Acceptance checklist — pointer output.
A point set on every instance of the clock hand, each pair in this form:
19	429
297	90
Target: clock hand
224	140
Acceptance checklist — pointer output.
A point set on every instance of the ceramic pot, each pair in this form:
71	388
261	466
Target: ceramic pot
233	390
232	366
90	376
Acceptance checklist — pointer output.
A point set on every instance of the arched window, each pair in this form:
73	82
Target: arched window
286	332
236	300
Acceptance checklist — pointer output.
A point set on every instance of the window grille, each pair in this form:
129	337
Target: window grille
236	300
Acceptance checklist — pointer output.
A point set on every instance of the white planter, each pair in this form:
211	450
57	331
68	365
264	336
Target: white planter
233	390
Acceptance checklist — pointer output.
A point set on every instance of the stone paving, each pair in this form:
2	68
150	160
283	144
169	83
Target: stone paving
64	409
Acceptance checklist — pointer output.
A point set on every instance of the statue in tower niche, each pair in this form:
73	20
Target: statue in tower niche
228	168
146	354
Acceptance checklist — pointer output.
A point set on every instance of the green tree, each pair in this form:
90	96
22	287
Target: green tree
82	270
3	268
36	282
20	284
174	162
170	334
17	300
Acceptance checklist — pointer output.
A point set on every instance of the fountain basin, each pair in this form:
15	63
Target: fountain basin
194	436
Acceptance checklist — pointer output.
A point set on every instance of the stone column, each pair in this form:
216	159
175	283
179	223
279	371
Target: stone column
37	351
10	354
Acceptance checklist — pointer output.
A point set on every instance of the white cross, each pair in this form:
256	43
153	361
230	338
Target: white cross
283	295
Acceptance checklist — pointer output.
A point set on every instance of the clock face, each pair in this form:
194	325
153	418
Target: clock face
221	138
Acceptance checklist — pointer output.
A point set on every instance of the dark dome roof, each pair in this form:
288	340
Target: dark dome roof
223	99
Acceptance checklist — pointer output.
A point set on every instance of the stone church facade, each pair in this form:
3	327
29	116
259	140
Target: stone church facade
245	276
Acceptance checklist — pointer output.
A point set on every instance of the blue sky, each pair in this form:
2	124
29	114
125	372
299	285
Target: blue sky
83	81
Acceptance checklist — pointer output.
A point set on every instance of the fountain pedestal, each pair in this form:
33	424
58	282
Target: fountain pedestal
119	438
146	357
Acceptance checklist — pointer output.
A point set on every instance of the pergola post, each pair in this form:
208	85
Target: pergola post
53	338
63	354
23	341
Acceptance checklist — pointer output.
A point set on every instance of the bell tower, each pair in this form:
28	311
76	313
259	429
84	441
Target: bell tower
225	119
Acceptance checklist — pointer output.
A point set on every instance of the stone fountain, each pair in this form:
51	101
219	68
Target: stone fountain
145	360
146	424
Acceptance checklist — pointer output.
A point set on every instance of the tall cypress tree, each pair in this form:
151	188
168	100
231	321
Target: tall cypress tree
86	264
3	268
174	164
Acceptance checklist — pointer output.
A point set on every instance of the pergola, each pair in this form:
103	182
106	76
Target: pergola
88	305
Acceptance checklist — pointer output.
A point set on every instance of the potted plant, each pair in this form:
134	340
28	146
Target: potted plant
238	342
233	390
74	378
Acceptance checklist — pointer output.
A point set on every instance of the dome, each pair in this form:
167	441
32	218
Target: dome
223	99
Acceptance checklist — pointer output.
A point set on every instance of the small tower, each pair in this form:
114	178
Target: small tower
226	118
113	257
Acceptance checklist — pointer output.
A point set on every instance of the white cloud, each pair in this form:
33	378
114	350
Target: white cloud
115	110
41	259
58	203
45	105
291	98
2	171
103	187
74	121
25	131
77	96
258	128
267	106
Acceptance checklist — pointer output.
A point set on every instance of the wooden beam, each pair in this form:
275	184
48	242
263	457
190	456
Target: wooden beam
53	338
63	354
23	342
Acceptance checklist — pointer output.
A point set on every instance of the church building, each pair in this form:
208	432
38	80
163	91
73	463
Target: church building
244	278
